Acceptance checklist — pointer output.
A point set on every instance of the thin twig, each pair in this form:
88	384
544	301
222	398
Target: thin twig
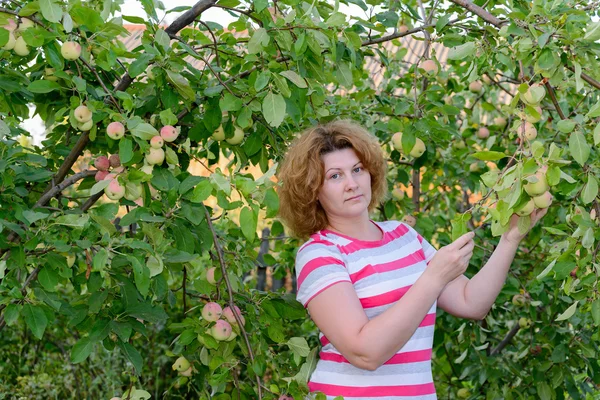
553	98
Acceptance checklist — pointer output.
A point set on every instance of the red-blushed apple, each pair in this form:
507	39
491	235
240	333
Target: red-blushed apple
26	23
100	175
115	160
527	130
221	330
526	209
169	133
409	220
228	314
157	142
398	194
418	149
133	191
543	201
539	187
238	136
475	87
402	28
70	50
500	121
12	40
219	134
109	177
11	25
483	133
115	130
397	141
102	163
21	48
181	364
430	67
155	156
82	114
212	311
210	276
114	190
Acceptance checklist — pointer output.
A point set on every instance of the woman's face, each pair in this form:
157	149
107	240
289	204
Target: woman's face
346	189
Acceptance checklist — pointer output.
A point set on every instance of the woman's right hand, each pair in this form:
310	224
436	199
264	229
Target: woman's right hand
452	261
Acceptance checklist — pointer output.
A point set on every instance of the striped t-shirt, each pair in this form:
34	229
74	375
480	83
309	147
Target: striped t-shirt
381	272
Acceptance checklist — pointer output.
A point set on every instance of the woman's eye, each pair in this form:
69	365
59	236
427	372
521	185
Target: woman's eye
357	169
334	176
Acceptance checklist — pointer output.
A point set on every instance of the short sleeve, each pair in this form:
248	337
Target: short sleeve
318	266
428	250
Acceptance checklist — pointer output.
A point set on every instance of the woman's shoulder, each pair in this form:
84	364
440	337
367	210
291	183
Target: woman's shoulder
318	242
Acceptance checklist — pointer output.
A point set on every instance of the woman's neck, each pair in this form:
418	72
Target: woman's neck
361	229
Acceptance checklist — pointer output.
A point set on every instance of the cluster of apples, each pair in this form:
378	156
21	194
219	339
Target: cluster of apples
237	138
222	329
538	190
16	43
417	150
115	190
83	115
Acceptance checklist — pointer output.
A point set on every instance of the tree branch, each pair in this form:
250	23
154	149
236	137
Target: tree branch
506	340
483	14
189	16
553	98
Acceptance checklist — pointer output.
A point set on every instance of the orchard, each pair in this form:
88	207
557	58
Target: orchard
129	235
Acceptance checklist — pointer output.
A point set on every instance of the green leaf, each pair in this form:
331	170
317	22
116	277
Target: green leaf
299	345
140	64
343	74
580	150
82	349
50	10
147	312
201	192
141	275
163	39
272	203
36	320
167	117
42	86
181	84
230	102
48	278
336	19
132	355
248	223
568	312
544	391
566	125
5	130
262	80
489	155
596	134
462	52
596	312
125	150
590	190
11	313
144	131
592	32
294	78
4	35
273	108
260	38
594	111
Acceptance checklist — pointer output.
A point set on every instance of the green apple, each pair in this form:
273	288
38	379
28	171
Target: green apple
526	209
534	95
397	141
181	364
238	136
398	194
475	87
524	322
543	201
21	48
518	300
12	40
418	149
219	134
538	187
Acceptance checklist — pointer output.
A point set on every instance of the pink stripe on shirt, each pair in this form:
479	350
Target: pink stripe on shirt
373	391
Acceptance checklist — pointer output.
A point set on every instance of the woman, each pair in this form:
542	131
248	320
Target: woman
372	288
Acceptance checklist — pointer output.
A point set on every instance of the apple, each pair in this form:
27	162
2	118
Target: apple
543	201
474	167
238	136
526	209
169	133
115	160
70	50
212	311
109	176
539	187
11	42
155	156
409	220
518	300
82	114
115	130
500	121
430	67
221	330
147	169
21	48
475	87
398	194
531	118
524	322
459	145
534	95
114	190
187	372
219	134
86	126
483	133
11	25
463	393
102	163
26	23
100	175
284	397
402	28
181	364
528	130
418	149
133	191
157	142
397	141
228	314
115	398
210	276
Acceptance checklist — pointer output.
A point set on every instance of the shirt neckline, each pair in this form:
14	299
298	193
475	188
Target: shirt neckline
328	231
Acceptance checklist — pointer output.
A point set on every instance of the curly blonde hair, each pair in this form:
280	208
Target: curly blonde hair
302	172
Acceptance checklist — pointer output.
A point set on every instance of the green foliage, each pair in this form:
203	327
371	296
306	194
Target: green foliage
109	293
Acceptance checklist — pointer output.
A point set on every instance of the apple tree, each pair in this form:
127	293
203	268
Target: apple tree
129	235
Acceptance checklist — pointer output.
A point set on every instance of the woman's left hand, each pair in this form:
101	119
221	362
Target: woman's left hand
513	235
